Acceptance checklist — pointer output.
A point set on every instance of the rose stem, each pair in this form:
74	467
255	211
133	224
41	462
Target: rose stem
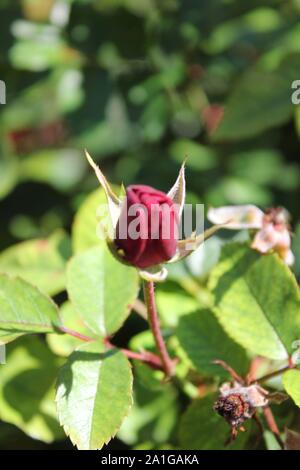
75	334
155	328
272	425
273	374
230	370
150	359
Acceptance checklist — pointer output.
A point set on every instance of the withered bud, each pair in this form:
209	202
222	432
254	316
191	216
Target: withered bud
238	403
278	216
234	409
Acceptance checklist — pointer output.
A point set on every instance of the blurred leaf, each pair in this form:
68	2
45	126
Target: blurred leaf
199	157
152	418
149	378
173	303
266	167
232	190
8	172
260	166
102	126
44	101
257	301
27	389
138	7
155	118
186	122
201	261
201	428
260	100
24	309
40	262
101	289
39	56
61	168
270	440
143	341
94	395
291	383
204	259
204	340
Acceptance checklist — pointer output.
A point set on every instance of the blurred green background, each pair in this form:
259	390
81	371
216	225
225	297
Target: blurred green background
141	84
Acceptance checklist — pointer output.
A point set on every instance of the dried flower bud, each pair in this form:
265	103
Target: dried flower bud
275	235
238	403
234	409
273	230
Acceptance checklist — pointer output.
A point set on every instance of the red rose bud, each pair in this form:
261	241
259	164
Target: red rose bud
147	230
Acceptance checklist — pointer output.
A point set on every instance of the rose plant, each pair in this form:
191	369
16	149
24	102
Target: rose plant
228	344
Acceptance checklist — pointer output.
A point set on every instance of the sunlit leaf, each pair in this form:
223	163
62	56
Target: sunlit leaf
291	383
203	340
27	389
257	301
24	309
41	262
101	289
94	395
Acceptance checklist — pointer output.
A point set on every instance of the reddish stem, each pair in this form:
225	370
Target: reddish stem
254	365
153	319
148	358
230	370
273	374
272	425
75	334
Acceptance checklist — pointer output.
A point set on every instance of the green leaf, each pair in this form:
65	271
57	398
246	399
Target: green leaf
101	289
61	168
200	158
64	344
39	55
41	262
173	303
201	428
8	171
150	378
204	340
87	220
261	100
24	309
291	383
94	395
153	416
27	389
257	301
270	441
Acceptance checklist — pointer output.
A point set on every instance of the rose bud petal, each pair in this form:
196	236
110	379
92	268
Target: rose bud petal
237	217
147	230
